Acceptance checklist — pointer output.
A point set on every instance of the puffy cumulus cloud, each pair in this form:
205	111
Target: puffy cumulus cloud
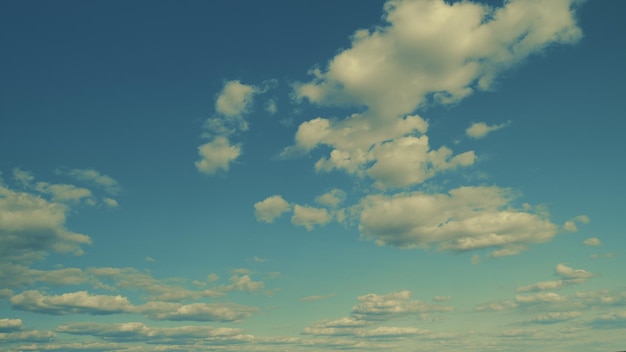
394	155
570	273
376	307
431	47
94	177
80	302
569	276
571	224
601	298
110	202
217	155
201	312
65	193
139	332
235	98
31	227
428	50
10	325
467	218
554	317
309	217
231	104
480	129
332	198
592	241
270	208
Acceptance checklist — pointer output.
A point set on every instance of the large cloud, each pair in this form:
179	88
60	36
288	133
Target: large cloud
428	51
466	218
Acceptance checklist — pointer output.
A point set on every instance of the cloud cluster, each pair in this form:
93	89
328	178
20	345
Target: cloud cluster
83	302
231	105
568	276
467	218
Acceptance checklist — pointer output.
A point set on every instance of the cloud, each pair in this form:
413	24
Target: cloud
139	332
94	177
316	297
442	298
27	336
10	325
234	99
270	208
480	129
309	217
570	225
592	241
270	107
554	317
467	218
614	320
428	51
217	155
547	297
431	47
569	276
496	306
80	302
376	307
332	198
31	227
243	283
201	312
110	202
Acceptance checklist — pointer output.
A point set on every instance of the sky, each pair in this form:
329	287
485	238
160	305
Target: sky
402	175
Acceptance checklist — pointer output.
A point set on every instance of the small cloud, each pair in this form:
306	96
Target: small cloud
150	259
571	224
316	297
110	202
217	155
270	106
481	129
212	277
442	298
309	217
593	241
270	208
259	259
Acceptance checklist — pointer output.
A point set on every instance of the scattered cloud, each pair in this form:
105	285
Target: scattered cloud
480	129
217	155
80	302
467	218
569	276
309	217
270	208
393	305
554	317
592	241
94	177
332	198
316	297
615	320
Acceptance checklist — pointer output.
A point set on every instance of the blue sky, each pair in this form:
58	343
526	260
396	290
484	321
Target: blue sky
409	175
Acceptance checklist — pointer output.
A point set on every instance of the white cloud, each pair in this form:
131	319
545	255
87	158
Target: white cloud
243	283
570	273
80	302
332	198
496	306
234	99
217	155
430	46
31	226
376	307
110	202
139	332
442	298
570	225
94	177
201	312
309	216
547	297
568	276
480	129
316	297
65	193
9	325
428	51
270	208
466	218
555	317
27	336
592	241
